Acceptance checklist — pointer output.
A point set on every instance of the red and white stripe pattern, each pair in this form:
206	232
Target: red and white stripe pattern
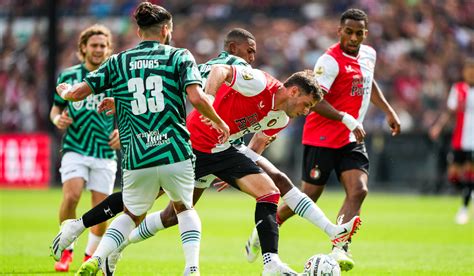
461	101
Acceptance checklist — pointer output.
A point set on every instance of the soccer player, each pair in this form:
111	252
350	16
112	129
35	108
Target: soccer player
149	84
461	158
345	72
89	158
239	49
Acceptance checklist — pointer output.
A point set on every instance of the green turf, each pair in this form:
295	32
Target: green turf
400	235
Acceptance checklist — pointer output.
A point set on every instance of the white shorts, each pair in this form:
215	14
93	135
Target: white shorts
99	174
140	187
206	181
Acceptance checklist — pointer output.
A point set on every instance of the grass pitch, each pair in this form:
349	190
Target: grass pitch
400	235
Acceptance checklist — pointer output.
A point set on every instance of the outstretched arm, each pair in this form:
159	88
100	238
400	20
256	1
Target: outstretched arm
73	93
378	99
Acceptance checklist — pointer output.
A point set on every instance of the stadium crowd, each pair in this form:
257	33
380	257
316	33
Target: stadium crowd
421	46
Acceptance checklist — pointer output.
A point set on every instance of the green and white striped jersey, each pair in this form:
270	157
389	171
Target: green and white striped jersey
223	58
148	84
89	132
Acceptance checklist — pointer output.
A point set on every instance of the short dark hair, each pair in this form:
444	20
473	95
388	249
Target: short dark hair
237	35
148	15
306	81
355	14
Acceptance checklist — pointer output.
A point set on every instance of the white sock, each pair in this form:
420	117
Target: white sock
114	236
303	206
70	247
92	243
148	228
190	229
269	258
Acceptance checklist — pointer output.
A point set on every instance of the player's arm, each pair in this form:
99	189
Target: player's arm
446	116
203	105
378	99
59	117
74	93
325	109
219	74
260	141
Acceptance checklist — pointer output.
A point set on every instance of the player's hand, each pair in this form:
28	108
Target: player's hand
108	105
205	120
114	140
359	133
394	123
221	185
270	140
62	121
223	130
62	89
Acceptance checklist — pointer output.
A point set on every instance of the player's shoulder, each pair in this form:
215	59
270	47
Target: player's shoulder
72	69
367	50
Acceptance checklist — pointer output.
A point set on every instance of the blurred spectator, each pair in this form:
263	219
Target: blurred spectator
420	44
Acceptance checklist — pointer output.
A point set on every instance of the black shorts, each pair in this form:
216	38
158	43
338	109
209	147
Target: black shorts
228	165
318	162
460	157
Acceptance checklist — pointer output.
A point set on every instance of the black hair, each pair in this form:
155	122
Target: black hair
355	14
237	35
306	81
148	15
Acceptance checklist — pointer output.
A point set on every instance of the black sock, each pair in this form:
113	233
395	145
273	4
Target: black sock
466	193
265	219
108	208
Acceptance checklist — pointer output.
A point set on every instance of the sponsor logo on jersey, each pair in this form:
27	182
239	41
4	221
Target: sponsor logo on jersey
261	105
319	71
272	122
315	173
349	69
247	75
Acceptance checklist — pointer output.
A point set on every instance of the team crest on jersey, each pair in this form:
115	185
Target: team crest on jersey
319	71
78	105
246	75
315	173
272	122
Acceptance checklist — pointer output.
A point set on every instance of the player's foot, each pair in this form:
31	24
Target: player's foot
89	268
111	262
63	239
192	270
343	257
462	216
345	231
278	269
63	264
252	248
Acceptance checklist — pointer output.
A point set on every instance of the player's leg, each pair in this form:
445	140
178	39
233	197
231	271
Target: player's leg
74	174
178	184
140	189
464	168
262	188
352	170
101	184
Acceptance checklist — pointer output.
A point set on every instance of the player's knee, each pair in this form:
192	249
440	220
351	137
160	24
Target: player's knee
359	192
282	182
168	217
71	199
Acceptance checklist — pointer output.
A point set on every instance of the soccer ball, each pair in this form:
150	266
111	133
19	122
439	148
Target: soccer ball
321	265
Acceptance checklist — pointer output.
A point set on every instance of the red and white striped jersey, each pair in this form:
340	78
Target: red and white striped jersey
246	105
461	101
348	83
